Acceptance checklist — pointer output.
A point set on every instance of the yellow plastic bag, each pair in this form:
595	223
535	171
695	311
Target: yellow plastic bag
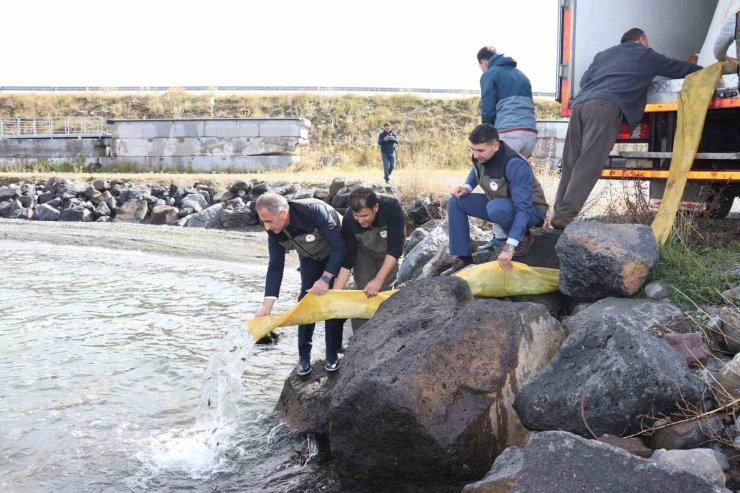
312	309
488	280
693	100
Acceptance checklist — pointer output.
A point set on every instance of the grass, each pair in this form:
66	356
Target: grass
695	261
344	127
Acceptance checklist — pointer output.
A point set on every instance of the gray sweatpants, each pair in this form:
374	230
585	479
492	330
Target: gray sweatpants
592	132
522	141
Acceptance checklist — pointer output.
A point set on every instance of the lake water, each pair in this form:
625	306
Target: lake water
124	371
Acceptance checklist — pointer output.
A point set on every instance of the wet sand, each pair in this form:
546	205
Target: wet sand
232	246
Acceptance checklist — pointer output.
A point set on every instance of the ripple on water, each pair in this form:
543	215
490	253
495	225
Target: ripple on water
106	355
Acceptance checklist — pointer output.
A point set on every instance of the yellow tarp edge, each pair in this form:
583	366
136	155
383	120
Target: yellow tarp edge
693	99
486	280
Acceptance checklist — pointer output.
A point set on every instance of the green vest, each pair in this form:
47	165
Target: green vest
312	245
373	242
491	177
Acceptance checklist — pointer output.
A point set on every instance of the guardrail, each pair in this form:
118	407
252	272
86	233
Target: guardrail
69	126
412	90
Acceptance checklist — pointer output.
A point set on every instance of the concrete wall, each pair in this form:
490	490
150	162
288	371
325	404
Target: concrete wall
23	151
204	145
183	145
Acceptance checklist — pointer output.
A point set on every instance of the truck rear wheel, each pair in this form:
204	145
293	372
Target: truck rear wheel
720	203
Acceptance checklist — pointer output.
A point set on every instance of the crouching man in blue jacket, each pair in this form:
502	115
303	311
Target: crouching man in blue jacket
513	200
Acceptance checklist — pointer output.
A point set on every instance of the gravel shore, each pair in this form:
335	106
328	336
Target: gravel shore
228	245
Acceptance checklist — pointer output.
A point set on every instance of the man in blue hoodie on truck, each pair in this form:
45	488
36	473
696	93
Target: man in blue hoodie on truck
506	101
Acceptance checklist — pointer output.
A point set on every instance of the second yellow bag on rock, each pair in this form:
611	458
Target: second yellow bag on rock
489	281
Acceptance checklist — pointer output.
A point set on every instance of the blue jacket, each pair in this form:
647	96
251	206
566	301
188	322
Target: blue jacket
622	75
506	96
387	146
519	176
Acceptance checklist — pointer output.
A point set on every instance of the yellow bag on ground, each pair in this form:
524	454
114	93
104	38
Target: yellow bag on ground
488	280
693	100
312	309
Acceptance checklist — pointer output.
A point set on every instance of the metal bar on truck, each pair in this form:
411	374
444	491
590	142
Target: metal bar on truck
649	174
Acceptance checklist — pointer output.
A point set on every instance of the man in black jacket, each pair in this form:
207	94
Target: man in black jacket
612	89
312	228
373	234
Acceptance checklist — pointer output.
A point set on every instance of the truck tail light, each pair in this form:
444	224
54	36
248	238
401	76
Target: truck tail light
640	132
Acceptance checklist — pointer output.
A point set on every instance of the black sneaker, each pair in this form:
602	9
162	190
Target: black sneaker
303	368
333	366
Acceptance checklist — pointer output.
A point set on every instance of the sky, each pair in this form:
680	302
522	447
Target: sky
273	42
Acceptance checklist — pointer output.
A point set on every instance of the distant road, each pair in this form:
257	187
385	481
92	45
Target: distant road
328	89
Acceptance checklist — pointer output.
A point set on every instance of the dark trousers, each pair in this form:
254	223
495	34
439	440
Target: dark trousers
311	271
499	211
389	162
592	132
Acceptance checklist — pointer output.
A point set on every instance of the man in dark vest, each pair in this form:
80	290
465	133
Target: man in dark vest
513	200
373	233
312	228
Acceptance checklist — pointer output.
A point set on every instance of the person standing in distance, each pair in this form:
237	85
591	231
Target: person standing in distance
388	140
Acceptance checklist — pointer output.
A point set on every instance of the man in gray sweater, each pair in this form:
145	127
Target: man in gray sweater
613	88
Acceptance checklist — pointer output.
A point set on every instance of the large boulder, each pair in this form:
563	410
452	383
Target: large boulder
132	211
164	214
60	186
5	208
304	402
77	213
612	377
195	201
238	186
726	388
207	218
638	313
45	212
8	193
417	263
426	386
599	260
418	213
687	435
419	234
730	332
17	211
336	185
238	216
557	462
700	461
